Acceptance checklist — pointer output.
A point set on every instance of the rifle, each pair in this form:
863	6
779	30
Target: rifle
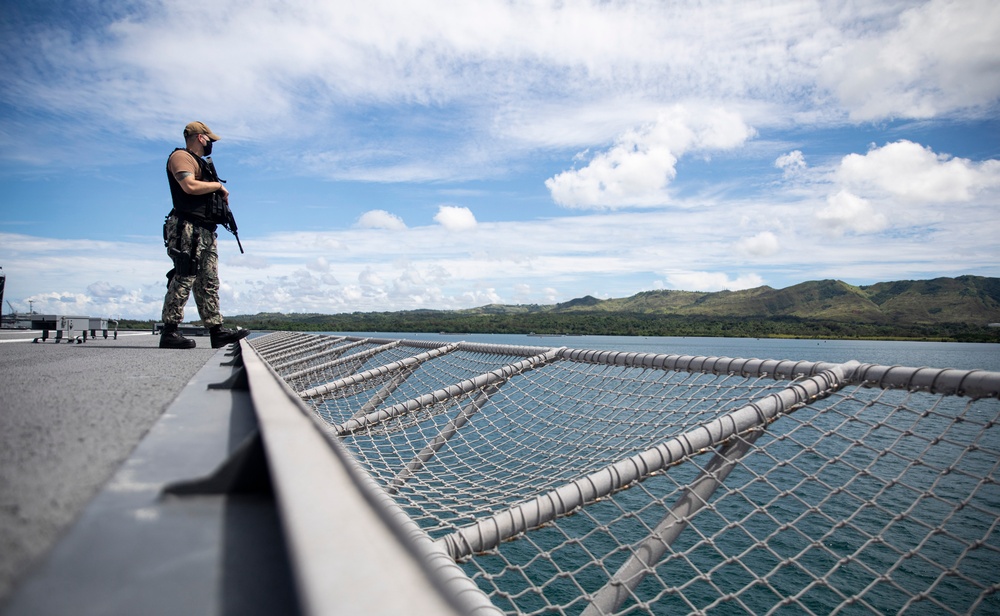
221	211
230	224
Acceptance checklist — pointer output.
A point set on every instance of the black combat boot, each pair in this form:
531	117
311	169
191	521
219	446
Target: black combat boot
222	336
170	338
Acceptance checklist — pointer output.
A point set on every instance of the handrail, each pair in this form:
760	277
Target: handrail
344	539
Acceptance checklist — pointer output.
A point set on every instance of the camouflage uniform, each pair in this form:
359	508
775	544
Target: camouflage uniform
204	282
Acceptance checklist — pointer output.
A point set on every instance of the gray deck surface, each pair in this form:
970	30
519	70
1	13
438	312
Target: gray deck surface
137	480
70	415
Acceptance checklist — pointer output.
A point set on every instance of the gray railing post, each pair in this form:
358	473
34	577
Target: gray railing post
645	557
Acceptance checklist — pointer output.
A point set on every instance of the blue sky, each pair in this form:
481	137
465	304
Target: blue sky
394	155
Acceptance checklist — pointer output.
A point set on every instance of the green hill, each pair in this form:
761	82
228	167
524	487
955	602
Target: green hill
966	299
959	308
971	299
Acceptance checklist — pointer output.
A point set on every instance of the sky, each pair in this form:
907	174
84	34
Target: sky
395	155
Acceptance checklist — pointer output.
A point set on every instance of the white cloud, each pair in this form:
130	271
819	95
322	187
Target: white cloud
375	77
370	278
455	218
103	289
763	244
845	211
638	168
417	286
521	292
380	219
940	57
791	163
712	281
899	188
912	173
319	264
482	297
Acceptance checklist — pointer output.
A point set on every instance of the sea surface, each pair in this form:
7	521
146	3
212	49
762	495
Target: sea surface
959	355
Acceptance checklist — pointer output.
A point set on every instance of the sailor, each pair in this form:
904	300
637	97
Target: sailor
190	238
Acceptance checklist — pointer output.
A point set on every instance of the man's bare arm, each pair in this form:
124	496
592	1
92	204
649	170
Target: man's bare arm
197	187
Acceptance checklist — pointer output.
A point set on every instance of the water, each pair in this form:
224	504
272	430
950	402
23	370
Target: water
963	356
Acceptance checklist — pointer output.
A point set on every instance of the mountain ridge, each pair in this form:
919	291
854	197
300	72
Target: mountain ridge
963	299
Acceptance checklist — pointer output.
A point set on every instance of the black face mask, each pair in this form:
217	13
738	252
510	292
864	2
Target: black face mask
208	148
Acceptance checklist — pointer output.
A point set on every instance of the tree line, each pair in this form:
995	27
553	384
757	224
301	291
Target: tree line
606	324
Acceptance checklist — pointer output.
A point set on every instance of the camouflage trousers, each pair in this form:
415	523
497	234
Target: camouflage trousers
194	251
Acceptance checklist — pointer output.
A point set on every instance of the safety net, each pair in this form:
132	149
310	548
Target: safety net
567	481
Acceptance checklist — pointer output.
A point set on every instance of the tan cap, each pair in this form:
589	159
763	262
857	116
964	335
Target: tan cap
199	128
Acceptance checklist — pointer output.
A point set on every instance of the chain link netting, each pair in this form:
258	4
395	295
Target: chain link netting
868	495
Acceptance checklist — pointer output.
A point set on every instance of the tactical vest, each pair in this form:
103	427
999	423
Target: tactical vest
193	208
